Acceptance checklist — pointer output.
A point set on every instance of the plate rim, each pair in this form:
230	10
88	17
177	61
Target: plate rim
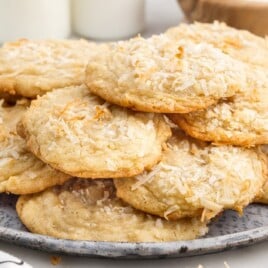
134	250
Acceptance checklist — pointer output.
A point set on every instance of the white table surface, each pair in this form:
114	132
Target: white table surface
161	14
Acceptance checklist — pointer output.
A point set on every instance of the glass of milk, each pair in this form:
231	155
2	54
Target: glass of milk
35	19
107	19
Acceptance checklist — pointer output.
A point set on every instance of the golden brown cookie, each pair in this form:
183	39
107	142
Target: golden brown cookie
163	76
239	44
80	134
20	171
195	179
31	68
89	210
241	120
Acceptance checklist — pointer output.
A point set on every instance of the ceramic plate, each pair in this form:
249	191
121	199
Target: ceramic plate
226	232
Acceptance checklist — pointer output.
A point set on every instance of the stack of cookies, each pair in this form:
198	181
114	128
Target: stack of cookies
144	140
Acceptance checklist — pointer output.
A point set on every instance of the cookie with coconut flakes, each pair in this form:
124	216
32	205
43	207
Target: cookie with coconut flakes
92	211
30	68
20	171
239	44
163	76
241	120
82	135
195	179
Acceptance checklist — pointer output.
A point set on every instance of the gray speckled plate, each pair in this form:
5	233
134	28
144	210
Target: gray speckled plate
226	232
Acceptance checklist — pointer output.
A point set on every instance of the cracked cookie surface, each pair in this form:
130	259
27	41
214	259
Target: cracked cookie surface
163	76
82	135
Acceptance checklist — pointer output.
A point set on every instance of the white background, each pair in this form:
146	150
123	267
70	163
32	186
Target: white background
161	14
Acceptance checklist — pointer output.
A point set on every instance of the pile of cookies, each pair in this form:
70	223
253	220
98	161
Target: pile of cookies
142	140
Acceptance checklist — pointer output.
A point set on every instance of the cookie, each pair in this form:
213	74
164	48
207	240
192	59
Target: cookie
163	76
80	134
30	68
20	171
89	210
239	44
196	179
241	120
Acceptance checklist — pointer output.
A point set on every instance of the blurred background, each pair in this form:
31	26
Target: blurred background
121	19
